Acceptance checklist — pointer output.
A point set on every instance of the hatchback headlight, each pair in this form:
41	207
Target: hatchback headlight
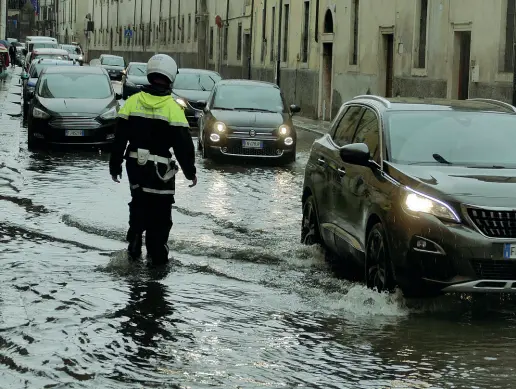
40	114
181	102
420	203
284	130
219	126
111	114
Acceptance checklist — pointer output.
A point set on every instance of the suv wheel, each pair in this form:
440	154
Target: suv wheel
310	225
378	267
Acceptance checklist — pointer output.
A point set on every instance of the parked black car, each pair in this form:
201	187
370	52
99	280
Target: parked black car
114	65
73	105
421	193
191	90
134	78
248	119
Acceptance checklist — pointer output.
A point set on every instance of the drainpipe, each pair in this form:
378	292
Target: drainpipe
278	55
142	27
250	53
514	64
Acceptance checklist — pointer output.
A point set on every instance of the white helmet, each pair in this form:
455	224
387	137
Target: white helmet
164	65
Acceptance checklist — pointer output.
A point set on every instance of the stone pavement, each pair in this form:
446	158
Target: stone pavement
316	126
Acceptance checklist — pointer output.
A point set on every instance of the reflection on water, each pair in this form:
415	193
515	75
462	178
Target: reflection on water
242	305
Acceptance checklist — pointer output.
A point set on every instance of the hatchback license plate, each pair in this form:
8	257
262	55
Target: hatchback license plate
252	144
74	133
509	251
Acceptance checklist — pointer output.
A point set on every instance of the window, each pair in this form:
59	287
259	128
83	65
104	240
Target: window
196	81
423	22
75	86
346	128
174	30
226	33
249	97
306	28
273	33
239	42
211	42
368	133
183	29
509	36
354	33
285	32
264	25
195	29
189	27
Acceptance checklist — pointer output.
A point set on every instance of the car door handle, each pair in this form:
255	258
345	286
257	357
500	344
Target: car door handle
321	161
342	172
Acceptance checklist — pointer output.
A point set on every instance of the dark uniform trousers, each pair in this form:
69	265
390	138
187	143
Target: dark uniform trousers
152	214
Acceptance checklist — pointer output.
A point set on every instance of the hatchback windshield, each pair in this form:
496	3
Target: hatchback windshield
74	86
71	49
113	61
36	69
42	45
455	138
138	70
249	97
51	56
196	81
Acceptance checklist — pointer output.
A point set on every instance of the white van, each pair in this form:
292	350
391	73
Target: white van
40	42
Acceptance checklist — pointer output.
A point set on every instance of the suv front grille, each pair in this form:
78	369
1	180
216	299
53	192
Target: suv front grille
494	270
495	224
197	105
75	123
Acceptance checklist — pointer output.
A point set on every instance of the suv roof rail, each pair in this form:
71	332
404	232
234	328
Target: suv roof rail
379	99
497	103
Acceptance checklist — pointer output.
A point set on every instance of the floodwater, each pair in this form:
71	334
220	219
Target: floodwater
242	305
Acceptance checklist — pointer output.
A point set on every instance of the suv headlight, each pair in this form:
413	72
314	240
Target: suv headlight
181	102
40	114
111	114
420	203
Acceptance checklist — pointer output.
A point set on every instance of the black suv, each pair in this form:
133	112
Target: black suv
420	192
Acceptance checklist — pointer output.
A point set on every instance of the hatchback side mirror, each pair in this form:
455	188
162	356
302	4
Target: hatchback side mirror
118	96
356	154
30	94
295	109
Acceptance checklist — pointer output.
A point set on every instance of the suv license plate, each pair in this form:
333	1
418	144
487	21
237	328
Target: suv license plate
74	133
252	144
509	251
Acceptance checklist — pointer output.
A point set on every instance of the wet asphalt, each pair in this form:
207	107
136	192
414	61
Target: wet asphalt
242	305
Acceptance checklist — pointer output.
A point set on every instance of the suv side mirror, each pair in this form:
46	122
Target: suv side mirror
294	109
356	154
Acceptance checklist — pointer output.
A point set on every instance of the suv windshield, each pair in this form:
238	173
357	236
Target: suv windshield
138	70
452	138
249	97
196	81
112	61
74	86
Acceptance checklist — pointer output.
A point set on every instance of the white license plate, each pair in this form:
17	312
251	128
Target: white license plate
509	251
74	133
252	144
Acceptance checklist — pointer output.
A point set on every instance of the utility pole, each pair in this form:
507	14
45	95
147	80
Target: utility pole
3	19
278	54
202	32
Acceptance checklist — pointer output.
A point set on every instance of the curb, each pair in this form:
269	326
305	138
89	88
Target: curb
309	129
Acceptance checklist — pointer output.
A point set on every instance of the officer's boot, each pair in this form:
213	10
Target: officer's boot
135	244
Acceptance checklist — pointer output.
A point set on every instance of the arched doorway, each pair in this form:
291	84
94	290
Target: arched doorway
326	77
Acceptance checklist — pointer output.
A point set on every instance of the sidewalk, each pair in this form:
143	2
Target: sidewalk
316	126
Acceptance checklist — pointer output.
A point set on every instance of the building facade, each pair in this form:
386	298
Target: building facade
322	52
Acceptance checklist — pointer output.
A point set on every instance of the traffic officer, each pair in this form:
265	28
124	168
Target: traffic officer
152	123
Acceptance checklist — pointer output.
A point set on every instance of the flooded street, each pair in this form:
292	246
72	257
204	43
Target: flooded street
242	305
